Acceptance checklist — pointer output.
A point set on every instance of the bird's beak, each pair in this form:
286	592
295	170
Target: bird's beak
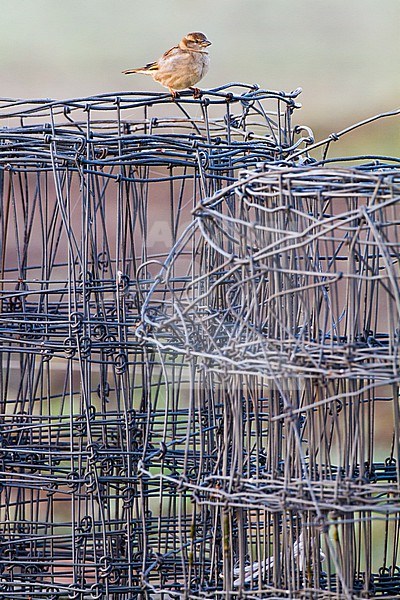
206	43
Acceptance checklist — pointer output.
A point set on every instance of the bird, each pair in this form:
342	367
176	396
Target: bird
182	66
256	569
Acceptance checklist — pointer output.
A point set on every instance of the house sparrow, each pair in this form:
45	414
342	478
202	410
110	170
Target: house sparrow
182	66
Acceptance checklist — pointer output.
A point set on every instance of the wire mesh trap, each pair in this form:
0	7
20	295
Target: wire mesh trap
192	404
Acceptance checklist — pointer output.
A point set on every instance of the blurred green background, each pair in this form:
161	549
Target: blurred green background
345	54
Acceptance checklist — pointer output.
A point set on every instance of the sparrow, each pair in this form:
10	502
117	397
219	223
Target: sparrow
182	66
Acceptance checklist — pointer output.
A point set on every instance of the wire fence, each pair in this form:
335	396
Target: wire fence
199	346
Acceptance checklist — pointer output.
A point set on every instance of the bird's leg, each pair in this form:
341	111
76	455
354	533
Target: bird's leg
175	95
197	93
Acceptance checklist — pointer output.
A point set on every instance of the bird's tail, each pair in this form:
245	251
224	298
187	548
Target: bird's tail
146	70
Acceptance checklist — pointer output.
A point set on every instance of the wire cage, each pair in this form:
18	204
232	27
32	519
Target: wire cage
199	339
94	193
294	333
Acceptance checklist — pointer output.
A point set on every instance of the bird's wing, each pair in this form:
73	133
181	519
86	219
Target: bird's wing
153	66
253	571
171	51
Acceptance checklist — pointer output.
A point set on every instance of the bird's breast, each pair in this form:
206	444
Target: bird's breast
205	63
180	69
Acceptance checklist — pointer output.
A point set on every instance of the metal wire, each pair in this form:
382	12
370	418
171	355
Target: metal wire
297	321
190	401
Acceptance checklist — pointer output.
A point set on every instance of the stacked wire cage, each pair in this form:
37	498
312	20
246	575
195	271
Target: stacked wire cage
291	326
105	437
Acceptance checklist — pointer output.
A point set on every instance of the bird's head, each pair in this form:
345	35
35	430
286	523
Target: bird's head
195	41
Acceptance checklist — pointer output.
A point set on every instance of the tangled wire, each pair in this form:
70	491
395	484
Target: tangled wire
199	343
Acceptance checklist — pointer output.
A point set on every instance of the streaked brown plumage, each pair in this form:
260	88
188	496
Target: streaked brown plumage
182	66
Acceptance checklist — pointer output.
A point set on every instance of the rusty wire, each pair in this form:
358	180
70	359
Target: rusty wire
199	335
